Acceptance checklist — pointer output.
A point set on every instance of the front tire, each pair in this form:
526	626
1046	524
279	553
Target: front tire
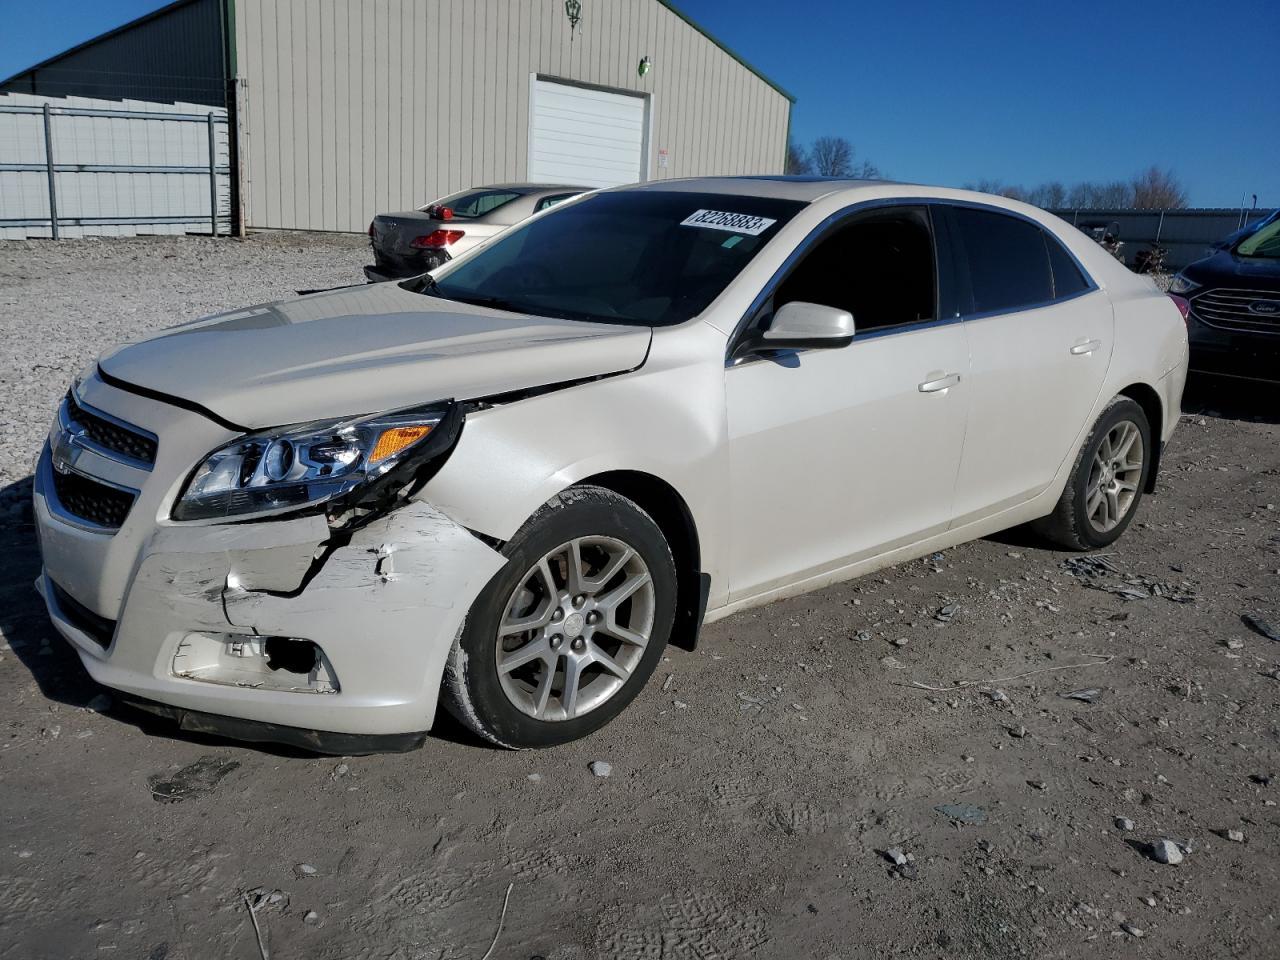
1106	483
568	632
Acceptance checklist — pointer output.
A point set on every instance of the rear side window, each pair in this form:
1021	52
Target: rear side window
1007	259
476	203
546	202
1068	280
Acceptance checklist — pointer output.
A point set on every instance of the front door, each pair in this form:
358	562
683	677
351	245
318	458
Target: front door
841	454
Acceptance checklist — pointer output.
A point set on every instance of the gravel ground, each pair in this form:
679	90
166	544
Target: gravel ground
761	788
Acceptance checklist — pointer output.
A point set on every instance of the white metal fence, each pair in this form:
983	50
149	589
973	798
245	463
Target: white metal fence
78	167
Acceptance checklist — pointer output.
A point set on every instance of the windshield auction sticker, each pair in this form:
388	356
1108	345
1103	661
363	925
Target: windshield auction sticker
732	222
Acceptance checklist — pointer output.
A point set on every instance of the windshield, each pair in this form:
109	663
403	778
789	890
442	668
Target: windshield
1265	243
470	204
636	256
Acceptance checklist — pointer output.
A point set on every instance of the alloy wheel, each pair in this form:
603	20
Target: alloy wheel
575	628
1114	476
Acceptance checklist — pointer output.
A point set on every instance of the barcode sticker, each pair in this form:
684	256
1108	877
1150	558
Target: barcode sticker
752	226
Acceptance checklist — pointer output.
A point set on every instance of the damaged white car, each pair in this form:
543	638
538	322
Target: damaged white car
509	486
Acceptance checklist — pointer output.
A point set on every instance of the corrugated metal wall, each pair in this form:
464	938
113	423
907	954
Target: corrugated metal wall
173	54
353	107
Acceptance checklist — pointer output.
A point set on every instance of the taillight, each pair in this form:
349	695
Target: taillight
1183	305
440	213
437	238
370	229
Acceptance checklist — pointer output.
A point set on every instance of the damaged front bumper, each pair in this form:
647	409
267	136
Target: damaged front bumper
227	626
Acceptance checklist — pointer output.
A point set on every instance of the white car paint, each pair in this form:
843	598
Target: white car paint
795	475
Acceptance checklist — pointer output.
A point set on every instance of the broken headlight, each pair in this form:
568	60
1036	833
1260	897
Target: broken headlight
312	464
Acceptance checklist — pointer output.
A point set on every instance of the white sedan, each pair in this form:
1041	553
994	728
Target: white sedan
509	486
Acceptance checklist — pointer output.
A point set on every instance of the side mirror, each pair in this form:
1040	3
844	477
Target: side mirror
802	326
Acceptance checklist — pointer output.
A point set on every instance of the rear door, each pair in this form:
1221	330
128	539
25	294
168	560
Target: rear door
1040	338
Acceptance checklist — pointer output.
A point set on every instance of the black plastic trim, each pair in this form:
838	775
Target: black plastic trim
687	628
258	731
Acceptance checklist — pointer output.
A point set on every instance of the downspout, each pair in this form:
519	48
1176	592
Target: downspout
231	91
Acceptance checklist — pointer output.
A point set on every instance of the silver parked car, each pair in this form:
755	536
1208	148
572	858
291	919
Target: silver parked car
415	241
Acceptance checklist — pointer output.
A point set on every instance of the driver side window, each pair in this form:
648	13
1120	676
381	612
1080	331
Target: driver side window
879	266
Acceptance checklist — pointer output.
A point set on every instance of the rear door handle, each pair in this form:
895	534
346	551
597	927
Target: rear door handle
1086	348
934	386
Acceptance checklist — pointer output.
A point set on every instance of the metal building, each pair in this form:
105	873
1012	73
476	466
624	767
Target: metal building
343	108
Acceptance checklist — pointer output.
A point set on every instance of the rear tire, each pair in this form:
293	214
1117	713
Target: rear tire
1106	483
546	656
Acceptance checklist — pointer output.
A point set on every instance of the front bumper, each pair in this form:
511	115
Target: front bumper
1233	353
383	609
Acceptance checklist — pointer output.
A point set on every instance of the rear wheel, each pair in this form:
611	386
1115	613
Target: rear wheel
568	632
1106	481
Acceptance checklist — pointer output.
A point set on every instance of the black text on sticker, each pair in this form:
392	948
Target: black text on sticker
733	222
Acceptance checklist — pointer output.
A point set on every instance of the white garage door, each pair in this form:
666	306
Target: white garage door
589	137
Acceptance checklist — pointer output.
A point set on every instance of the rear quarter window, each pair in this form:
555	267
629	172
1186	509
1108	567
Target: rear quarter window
476	203
1068	279
1007	259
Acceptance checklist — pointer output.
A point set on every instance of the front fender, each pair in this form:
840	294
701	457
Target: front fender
665	419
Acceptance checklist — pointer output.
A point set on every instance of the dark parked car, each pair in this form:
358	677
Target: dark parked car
411	243
1231	239
1234	320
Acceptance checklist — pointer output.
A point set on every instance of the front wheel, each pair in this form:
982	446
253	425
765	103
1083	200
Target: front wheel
568	632
1106	482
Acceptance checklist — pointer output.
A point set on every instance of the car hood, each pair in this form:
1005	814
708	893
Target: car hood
1224	268
365	350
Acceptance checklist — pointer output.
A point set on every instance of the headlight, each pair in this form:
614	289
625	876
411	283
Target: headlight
313	464
1181	284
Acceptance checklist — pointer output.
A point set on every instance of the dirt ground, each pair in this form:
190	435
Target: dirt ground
756	785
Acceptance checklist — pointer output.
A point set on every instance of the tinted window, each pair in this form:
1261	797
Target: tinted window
879	268
476	203
1067	278
552	201
1007	260
637	256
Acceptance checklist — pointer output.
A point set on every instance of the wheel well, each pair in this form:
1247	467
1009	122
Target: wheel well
660	500
1149	401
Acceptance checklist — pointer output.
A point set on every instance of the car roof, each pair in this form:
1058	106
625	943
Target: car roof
807	189
804	188
531	187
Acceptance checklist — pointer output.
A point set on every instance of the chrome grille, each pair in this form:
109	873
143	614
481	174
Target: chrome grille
1256	311
110	434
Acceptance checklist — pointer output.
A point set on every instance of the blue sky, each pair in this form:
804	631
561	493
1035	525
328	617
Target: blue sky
950	92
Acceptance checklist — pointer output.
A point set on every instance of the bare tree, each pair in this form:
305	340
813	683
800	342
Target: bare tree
998	188
1156	189
1050	196
832	156
1091	195
797	159
866	170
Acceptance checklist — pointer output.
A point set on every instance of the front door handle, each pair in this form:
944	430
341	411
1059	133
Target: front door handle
1086	348
942	383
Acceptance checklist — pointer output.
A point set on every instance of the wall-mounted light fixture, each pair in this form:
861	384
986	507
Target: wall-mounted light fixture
645	65
573	10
